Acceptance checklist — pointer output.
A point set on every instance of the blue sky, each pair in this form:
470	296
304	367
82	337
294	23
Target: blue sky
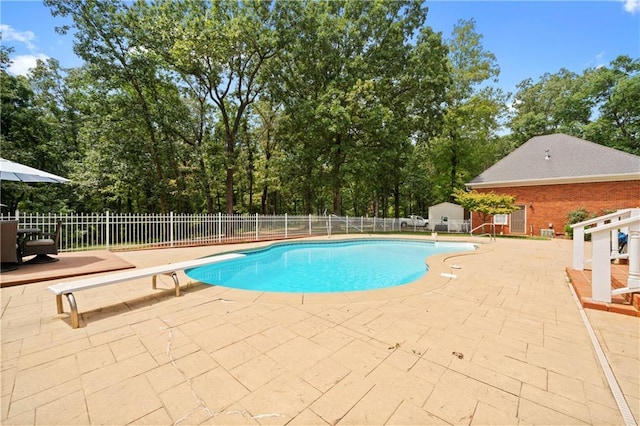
528	38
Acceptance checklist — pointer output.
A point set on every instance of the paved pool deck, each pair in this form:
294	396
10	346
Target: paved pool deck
502	342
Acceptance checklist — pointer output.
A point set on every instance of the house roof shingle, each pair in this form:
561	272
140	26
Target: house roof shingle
570	160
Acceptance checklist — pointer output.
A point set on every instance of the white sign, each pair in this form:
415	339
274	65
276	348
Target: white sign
500	219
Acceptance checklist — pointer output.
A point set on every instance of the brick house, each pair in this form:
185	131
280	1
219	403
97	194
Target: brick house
553	175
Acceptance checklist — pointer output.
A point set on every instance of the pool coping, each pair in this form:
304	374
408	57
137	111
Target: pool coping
440	274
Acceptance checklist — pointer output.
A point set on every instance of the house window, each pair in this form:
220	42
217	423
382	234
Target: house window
500	219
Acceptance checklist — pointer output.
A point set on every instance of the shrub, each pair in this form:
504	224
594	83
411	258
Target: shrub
576	216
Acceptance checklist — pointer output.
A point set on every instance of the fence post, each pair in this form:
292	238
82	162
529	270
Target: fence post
346	222
614	240
578	248
286	230
601	266
219	227
257	226
107	236
171	230
633	249
310	224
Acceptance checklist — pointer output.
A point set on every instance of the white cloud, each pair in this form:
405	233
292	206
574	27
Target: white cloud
599	60
22	64
10	34
631	6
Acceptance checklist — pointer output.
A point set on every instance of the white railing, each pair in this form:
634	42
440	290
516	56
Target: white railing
604	247
492	226
110	231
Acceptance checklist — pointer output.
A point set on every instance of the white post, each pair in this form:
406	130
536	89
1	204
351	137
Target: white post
614	242
347	224
309	223
601	267
578	248
257	225
286	231
633	248
171	228
107	237
219	227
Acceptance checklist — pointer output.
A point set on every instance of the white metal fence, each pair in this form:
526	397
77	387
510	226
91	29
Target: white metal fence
132	231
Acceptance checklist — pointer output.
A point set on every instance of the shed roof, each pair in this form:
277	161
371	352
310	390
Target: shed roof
559	158
447	204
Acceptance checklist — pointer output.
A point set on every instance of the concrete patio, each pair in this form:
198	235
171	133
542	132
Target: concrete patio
504	342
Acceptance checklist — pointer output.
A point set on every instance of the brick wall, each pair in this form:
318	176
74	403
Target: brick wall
547	204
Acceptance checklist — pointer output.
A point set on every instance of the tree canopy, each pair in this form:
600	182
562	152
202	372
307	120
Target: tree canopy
348	107
486	204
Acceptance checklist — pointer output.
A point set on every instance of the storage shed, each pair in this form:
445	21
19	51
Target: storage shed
447	217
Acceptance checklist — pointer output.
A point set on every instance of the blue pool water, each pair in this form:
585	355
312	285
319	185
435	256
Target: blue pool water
321	267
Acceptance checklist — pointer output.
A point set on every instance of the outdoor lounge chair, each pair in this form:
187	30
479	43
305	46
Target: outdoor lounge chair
46	244
9	244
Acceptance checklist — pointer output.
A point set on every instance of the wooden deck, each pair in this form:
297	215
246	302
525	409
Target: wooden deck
626	304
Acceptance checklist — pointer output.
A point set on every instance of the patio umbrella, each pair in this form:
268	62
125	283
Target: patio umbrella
10	170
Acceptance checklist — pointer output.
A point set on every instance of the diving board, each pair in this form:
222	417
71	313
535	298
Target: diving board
68	288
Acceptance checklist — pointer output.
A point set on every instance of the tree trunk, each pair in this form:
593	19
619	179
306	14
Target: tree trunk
396	199
229	191
454	168
337	184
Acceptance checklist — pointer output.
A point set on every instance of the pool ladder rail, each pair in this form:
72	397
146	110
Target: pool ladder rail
492	236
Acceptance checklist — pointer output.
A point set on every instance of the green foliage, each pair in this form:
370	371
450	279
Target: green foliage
362	90
467	142
554	104
576	216
601	105
351	107
28	136
486	203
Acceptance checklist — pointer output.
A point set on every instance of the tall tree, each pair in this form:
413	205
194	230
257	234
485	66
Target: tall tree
615	92
28	137
471	121
554	104
600	105
348	79
109	39
221	48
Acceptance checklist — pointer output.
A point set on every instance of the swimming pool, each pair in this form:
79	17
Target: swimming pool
326	267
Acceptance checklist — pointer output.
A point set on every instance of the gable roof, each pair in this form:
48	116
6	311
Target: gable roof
569	160
446	204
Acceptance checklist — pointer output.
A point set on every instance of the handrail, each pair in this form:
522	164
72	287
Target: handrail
492	237
612	225
579	232
603	218
604	243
